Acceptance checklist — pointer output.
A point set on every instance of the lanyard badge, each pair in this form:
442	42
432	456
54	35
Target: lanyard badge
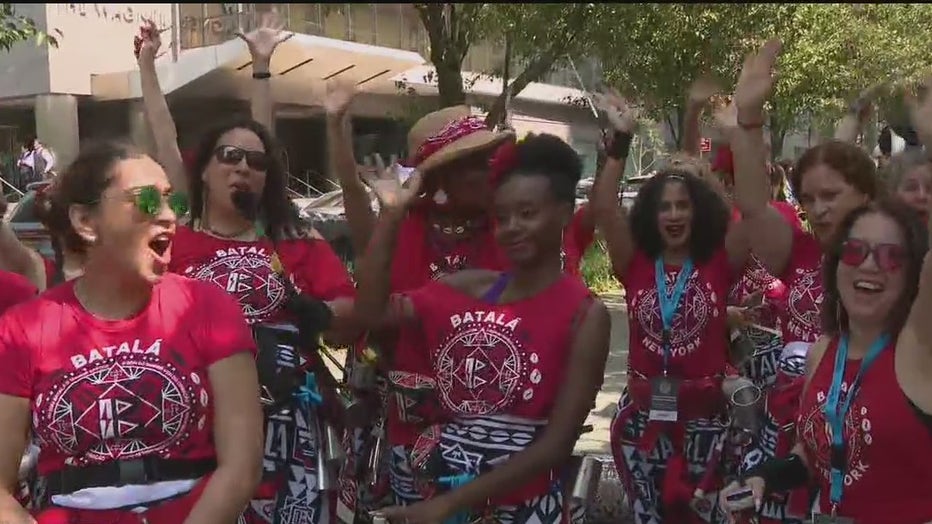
835	411
664	389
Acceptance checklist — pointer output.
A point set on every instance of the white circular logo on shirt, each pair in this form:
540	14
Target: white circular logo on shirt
696	308
119	408
816	432
245	273
481	369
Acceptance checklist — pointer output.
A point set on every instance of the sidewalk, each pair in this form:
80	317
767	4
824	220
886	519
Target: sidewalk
597	442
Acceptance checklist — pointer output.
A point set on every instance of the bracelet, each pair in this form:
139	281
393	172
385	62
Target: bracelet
750	126
619	146
265	75
781	474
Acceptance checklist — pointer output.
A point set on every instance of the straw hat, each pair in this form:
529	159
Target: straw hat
450	134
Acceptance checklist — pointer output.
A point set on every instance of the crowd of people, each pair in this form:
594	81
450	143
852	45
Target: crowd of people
170	364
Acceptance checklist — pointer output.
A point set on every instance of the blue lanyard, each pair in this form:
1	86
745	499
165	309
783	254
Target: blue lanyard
669	303
835	411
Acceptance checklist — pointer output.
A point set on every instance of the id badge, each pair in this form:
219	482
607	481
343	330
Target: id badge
740	500
663	395
828	519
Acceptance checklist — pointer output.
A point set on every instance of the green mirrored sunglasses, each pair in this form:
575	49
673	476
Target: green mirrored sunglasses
148	200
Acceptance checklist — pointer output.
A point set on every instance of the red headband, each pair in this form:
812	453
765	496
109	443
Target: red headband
453	131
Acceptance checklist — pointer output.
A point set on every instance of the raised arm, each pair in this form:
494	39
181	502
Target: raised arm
918	326
262	42
700	92
359	214
584	374
859	112
373	275
158	116
18	258
610	218
752	183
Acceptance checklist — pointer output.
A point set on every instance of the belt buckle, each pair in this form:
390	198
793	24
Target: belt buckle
132	472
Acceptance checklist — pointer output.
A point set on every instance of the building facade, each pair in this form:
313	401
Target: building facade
88	86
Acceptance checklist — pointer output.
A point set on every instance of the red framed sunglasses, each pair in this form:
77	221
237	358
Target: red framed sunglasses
888	257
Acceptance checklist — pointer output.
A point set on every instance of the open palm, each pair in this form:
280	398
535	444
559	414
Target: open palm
392	192
263	40
621	115
147	43
755	84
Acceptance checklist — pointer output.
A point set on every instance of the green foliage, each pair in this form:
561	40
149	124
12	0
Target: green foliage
831	52
15	28
596	269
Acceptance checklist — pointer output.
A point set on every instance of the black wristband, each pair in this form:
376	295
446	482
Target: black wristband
619	146
262	75
781	474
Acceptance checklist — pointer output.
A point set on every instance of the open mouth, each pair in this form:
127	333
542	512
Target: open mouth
160	244
675	231
868	287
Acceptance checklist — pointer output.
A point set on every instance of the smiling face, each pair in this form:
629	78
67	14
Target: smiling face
466	183
529	221
827	198
871	275
915	189
133	242
675	214
239	164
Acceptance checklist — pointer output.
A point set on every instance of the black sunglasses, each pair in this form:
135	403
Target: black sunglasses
232	155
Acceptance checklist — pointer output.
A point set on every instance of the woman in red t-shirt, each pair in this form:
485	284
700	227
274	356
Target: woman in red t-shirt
830	180
516	357
671	413
865	420
246	237
139	384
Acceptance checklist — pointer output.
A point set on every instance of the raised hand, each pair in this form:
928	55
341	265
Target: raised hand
392	192
920	111
622	116
147	43
704	88
755	84
726	117
339	96
263	40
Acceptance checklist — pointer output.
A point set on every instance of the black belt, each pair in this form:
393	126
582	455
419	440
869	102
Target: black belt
124	472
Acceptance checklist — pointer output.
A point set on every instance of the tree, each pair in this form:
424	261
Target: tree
833	51
16	28
539	36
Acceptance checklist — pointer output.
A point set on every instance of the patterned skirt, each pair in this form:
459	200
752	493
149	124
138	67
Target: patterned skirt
643	473
473	446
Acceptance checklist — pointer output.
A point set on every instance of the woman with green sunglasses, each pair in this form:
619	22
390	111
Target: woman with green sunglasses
139	384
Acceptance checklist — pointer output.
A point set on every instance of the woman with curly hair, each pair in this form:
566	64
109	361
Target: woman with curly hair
677	257
830	180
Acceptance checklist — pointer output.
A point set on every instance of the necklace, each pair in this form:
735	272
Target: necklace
246	235
450	229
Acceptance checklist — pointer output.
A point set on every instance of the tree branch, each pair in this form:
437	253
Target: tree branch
536	69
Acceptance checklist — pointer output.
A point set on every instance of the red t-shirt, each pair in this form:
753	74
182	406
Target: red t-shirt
888	448
499	360
244	270
16	289
119	390
802	320
699	332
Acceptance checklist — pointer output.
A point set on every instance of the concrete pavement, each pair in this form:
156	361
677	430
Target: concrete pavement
600	418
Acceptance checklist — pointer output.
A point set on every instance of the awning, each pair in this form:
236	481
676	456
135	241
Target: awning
303	63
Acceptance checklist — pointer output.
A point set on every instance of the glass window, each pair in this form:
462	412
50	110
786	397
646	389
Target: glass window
388	22
306	18
362	23
336	22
